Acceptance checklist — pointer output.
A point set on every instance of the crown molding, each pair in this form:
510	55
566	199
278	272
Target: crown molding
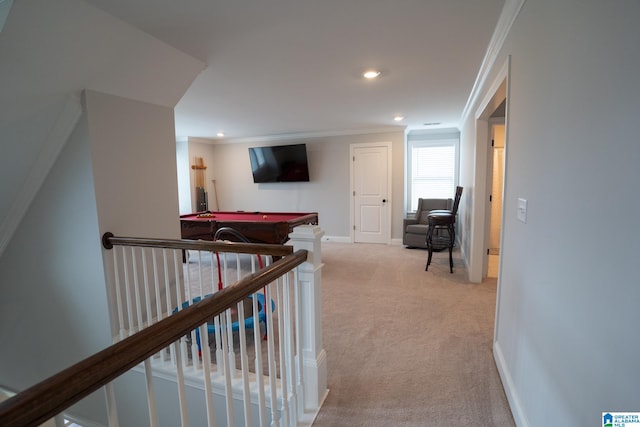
54	142
508	15
433	133
298	135
197	139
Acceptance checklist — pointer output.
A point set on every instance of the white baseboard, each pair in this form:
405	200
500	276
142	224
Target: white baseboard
338	239
347	239
509	388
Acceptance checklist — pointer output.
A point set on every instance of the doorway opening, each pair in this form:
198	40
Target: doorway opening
492	110
495	184
492	142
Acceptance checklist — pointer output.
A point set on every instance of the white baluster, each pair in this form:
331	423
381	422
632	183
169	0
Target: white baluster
195	357
258	363
281	352
206	362
112	409
156	286
147	290
127	289
218	332
167	284
229	324
179	291
121	331
151	401
288	345
244	359
227	374
271	357
178	350
214	287
136	286
201	282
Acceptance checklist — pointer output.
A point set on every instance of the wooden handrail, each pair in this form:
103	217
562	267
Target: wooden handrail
53	395
109	241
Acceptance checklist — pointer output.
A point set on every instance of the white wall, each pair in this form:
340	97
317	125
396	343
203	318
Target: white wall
202	150
183	170
53	309
24	139
327	192
50	52
567	318
134	165
117	173
134	160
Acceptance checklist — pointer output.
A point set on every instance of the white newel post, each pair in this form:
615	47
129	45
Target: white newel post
314	358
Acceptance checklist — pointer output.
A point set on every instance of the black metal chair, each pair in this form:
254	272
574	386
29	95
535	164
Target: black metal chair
444	220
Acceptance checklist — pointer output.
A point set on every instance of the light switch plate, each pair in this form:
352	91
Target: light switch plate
522	210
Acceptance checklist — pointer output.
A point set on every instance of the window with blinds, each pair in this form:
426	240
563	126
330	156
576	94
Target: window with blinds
433	167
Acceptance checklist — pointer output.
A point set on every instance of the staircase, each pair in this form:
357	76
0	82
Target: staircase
200	363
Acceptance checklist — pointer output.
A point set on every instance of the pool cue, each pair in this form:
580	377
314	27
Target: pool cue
215	192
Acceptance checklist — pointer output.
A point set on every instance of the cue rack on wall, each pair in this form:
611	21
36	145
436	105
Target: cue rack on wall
199	175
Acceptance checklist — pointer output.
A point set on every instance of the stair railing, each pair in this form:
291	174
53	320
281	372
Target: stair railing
158	345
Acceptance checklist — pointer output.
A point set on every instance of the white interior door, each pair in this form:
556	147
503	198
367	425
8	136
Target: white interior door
371	171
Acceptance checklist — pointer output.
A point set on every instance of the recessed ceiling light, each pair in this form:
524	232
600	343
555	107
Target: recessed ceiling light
220	134
398	118
371	74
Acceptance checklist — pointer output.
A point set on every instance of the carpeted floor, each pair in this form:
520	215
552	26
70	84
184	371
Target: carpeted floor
407	347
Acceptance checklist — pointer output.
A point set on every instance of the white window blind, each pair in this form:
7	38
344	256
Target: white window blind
433	166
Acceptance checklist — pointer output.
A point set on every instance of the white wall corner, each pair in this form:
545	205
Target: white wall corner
55	141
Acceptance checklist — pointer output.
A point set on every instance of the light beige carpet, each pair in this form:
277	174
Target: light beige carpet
407	347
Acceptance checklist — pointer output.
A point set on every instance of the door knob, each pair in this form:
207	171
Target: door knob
384	200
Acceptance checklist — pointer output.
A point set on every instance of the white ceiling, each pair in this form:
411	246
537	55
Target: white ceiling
282	67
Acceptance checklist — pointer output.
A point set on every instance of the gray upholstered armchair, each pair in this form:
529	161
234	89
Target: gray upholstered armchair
415	225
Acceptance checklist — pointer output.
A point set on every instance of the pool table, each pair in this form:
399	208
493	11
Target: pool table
257	227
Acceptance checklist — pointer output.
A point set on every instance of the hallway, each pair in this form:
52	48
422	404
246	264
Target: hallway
407	347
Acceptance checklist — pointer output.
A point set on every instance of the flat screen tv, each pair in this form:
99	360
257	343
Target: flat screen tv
281	163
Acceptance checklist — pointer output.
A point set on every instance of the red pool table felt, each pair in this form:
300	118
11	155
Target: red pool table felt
258	227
